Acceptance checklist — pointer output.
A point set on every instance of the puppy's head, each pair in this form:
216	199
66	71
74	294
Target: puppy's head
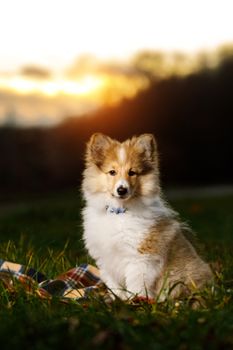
123	170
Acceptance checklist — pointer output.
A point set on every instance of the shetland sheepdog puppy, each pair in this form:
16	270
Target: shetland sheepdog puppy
137	241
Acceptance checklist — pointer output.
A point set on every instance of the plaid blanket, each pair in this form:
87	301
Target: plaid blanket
75	284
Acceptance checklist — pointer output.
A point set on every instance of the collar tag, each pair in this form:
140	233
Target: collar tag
114	210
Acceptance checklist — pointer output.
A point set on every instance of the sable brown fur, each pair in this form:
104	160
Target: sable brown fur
184	269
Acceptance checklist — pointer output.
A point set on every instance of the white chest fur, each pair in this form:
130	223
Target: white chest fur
113	241
107	233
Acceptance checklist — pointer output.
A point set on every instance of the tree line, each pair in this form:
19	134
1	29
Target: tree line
191	117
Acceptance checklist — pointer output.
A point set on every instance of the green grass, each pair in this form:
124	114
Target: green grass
45	233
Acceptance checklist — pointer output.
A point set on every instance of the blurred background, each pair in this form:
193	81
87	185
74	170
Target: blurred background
71	68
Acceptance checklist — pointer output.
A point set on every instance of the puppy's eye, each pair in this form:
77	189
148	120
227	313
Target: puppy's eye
112	172
131	173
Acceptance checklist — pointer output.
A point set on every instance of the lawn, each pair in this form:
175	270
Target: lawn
45	233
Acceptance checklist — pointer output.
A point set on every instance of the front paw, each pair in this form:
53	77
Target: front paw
118	293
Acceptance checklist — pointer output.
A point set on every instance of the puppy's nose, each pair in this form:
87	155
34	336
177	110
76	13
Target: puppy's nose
122	190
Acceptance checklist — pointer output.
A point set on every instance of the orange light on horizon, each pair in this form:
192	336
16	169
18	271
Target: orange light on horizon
54	87
100	88
33	101
119	86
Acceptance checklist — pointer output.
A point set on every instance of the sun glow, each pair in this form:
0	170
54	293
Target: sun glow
86	85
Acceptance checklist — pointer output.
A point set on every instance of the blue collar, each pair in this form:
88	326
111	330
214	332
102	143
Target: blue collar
114	210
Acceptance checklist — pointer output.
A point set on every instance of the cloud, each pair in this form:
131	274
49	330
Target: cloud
35	72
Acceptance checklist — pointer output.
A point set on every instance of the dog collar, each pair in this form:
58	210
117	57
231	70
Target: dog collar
114	210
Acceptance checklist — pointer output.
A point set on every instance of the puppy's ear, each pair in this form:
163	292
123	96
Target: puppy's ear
96	148
147	146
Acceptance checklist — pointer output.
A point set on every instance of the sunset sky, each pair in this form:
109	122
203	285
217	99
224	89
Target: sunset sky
42	40
53	33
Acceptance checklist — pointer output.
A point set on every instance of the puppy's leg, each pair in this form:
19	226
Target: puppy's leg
114	287
142	274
